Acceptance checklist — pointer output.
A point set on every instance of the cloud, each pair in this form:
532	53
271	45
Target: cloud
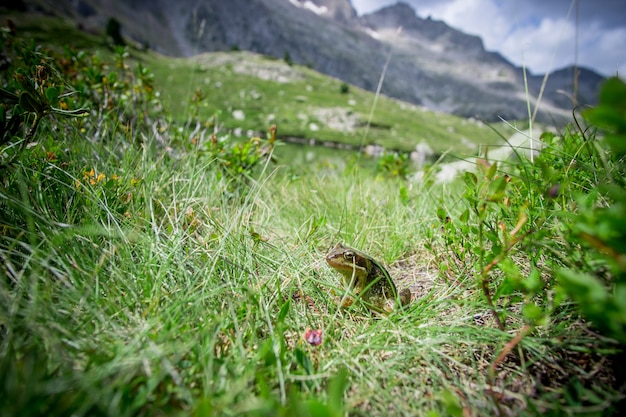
541	48
540	34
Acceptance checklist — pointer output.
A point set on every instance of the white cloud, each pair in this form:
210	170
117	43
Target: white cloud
606	51
536	34
552	44
476	17
541	48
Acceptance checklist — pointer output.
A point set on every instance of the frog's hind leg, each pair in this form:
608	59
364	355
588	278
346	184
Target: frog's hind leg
405	296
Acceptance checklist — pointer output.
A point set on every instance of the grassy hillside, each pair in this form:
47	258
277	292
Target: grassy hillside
150	268
305	104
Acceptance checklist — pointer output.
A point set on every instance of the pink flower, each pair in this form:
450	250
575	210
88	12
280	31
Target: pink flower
314	337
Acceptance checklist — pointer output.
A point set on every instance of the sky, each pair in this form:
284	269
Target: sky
539	34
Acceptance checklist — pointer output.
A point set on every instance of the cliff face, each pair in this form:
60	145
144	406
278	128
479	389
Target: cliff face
431	63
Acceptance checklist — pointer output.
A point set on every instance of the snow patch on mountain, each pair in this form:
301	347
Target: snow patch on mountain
309	5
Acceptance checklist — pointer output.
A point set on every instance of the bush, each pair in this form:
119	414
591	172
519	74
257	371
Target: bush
114	31
536	234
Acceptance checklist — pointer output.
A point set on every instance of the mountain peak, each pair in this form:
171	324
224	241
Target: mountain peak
393	16
401	8
338	10
422	30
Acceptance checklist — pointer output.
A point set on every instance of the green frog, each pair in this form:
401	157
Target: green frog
367	278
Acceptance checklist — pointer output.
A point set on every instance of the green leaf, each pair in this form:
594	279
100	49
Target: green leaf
584	288
500	184
492	170
52	94
304	361
613	93
284	310
441	214
74	113
452	404
29	104
8	97
316	408
506	288
336	389
470	179
532	312
533	283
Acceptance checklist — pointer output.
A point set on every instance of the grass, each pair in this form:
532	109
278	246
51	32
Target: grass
143	277
178	307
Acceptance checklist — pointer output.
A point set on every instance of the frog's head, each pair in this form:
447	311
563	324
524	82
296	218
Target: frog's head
346	260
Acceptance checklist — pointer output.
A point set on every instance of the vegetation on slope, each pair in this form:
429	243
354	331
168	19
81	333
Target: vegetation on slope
242	92
153	267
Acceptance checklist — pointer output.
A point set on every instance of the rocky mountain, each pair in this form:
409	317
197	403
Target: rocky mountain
430	63
338	10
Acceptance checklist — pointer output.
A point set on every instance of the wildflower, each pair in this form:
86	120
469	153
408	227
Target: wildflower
313	337
89	174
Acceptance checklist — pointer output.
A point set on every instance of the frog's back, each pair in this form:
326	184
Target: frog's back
381	283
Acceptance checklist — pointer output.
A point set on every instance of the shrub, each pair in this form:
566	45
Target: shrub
535	234
395	165
114	31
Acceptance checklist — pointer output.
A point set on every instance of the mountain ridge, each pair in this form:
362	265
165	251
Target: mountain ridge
430	63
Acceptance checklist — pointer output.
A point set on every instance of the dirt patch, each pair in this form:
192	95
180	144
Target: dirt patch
413	273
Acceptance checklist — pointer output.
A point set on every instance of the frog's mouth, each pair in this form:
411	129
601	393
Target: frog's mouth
344	268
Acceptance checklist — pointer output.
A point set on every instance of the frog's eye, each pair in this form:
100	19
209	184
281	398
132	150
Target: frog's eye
348	255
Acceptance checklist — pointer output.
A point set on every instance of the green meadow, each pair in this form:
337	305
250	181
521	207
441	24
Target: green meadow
159	256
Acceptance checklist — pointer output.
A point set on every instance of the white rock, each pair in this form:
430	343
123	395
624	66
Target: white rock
239	115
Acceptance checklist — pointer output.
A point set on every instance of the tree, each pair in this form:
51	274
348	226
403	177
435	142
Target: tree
113	30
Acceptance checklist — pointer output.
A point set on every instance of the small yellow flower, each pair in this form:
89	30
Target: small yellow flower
101	177
89	174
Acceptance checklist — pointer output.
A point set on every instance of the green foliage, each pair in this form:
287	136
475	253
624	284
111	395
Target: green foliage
394	165
599	226
239	160
34	91
531	230
344	88
610	115
287	58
